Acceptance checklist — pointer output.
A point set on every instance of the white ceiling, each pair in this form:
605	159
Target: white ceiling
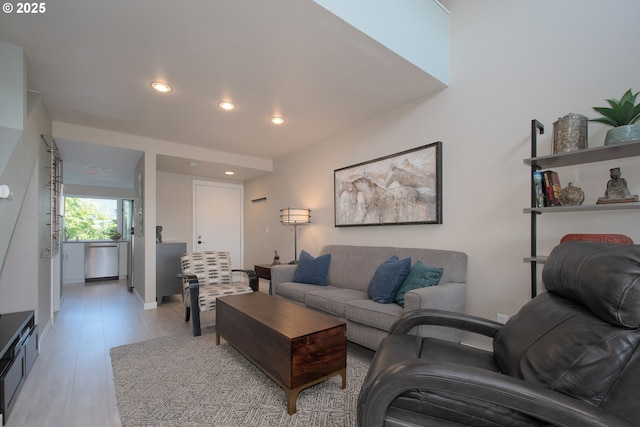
93	61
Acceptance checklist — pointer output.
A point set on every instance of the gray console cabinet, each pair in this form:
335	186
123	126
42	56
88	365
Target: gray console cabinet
167	268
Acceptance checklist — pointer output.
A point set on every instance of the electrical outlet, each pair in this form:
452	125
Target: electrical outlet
502	318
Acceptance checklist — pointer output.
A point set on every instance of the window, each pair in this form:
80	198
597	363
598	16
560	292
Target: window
90	218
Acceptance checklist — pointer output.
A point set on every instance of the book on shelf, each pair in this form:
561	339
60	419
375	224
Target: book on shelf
539	189
551	182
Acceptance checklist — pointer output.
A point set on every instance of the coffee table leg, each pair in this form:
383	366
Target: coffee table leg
292	396
218	340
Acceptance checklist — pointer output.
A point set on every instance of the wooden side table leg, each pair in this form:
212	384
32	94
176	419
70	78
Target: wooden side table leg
343	374
218	340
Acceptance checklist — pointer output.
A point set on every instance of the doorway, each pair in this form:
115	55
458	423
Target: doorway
218	223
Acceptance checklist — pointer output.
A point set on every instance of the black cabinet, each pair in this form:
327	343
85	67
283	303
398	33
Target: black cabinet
19	345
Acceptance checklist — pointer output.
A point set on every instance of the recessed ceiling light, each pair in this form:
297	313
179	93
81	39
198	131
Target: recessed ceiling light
161	86
277	120
227	105
192	164
229	173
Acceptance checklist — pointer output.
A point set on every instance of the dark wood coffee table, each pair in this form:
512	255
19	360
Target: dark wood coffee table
295	346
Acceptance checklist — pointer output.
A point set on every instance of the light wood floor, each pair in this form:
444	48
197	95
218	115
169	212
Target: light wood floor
71	383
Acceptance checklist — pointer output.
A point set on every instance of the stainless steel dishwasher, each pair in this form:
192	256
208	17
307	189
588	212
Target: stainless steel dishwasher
101	261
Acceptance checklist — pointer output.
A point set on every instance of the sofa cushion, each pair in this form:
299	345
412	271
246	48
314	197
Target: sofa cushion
420	276
388	278
312	270
332	300
296	291
370	313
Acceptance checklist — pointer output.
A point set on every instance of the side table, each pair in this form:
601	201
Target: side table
263	271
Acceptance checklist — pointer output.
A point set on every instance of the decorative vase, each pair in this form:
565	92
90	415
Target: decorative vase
571	195
622	134
570	133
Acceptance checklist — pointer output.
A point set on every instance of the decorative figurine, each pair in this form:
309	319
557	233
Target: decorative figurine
158	234
617	191
276	258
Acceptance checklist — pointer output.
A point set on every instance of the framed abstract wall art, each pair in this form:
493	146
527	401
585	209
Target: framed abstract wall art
402	188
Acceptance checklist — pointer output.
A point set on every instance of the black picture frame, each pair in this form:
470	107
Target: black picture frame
399	189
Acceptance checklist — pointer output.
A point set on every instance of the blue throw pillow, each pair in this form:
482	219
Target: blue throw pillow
420	276
312	270
388	278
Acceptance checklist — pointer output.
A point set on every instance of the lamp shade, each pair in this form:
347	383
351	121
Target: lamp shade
295	216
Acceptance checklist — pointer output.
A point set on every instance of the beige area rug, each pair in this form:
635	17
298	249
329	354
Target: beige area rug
189	381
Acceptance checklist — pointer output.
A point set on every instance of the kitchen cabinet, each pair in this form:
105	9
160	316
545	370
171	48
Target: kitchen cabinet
123	259
72	263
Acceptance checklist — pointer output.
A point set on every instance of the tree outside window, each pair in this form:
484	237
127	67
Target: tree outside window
90	219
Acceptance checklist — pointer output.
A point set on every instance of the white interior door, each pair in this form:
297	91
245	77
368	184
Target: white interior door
219	219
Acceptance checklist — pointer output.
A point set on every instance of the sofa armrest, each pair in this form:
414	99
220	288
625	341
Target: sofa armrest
461	321
188	280
282	273
445	296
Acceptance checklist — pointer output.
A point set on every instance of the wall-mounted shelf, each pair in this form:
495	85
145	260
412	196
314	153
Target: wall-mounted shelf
588	155
540	259
584	208
574	158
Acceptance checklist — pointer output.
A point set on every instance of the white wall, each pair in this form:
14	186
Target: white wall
418	30
25	277
96	191
13	104
139	243
510	62
175	207
174	200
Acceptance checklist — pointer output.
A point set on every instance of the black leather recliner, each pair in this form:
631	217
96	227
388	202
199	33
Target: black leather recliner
569	357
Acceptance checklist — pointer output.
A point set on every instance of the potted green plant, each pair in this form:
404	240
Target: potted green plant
622	115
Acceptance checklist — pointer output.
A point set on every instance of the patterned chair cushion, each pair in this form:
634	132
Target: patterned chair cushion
213	269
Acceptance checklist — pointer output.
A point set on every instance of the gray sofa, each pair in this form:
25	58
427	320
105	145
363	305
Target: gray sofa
350	271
